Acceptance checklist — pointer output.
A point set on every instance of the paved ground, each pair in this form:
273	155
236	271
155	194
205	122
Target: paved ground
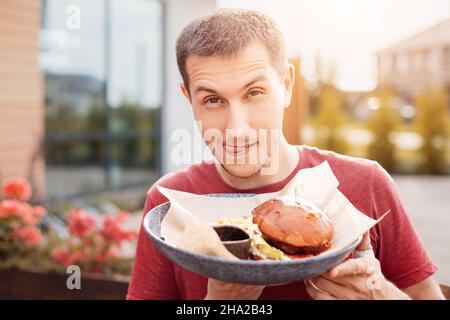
428	202
427	199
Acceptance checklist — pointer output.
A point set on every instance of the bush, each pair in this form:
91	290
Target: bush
330	117
92	246
382	123
20	237
431	124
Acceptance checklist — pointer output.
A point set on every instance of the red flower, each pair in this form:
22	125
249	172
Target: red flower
77	256
80	222
39	212
17	188
28	234
97	269
61	255
90	245
121	216
102	256
17	209
85	244
112	232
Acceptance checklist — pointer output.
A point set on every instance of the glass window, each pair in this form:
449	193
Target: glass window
103	91
135	90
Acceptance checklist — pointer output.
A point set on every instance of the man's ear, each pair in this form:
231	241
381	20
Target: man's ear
185	92
288	83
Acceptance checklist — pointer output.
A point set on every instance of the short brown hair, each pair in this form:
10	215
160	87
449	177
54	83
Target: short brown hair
225	32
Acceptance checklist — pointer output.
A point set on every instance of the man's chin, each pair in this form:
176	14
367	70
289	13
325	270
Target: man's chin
242	171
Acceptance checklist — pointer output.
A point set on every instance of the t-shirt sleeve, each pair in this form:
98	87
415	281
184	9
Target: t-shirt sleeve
152	276
403	258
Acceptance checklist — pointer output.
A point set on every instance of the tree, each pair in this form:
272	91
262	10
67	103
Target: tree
382	123
329	119
431	124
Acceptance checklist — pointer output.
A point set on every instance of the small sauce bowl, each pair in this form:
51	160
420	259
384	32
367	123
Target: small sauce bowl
236	240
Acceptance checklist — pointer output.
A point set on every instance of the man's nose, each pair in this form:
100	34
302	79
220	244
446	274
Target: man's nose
238	130
237	117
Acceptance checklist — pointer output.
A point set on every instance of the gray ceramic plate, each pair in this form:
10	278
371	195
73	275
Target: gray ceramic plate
266	272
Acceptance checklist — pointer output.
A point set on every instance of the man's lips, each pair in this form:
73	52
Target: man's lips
236	150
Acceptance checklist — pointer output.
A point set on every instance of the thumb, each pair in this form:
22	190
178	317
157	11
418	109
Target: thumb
365	243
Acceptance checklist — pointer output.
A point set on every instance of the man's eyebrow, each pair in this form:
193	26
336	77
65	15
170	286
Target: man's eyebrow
255	80
250	83
201	88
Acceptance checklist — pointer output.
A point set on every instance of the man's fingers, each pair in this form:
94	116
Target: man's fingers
359	283
337	290
315	293
327	286
352	267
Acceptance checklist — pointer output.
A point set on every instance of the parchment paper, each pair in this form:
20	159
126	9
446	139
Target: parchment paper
187	223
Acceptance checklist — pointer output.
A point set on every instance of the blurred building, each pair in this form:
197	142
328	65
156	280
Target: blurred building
21	92
89	92
414	64
90	97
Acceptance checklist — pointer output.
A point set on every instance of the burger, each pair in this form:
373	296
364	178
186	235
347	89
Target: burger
285	228
294	226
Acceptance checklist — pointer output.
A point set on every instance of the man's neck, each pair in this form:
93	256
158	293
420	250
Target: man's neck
288	160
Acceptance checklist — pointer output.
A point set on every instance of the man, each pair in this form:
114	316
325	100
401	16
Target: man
237	79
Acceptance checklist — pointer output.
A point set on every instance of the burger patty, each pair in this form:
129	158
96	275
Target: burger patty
290	249
294	225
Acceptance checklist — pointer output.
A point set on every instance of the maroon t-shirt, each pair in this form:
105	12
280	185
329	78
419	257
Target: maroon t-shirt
366	184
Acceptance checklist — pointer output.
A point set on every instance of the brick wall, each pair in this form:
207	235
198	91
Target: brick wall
21	92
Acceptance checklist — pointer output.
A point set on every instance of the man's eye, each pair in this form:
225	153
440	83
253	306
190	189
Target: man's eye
254	93
212	100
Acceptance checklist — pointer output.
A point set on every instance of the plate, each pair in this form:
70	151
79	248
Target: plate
257	272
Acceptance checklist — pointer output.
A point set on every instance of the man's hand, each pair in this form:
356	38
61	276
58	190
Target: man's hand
219	290
354	279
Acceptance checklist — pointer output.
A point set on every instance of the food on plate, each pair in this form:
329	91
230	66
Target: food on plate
284	228
259	248
294	225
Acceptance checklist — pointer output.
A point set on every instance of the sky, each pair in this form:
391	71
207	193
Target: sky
347	32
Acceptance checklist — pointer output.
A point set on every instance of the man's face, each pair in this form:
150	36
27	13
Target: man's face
239	103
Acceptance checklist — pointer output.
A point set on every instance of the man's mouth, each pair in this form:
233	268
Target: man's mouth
238	150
